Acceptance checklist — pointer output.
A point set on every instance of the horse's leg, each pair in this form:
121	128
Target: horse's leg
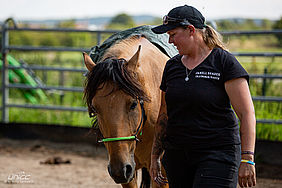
132	184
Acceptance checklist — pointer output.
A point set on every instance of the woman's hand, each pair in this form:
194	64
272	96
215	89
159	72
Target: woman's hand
247	175
155	171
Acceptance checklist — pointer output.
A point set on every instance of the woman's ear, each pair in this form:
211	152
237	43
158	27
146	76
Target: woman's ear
191	29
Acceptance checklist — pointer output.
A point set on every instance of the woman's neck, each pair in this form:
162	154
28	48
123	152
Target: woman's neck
196	57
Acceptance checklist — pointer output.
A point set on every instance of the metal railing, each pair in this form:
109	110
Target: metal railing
6	47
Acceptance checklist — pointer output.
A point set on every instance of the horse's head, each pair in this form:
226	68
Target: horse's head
114	92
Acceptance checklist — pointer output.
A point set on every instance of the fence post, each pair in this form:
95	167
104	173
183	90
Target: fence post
62	83
263	88
5	77
98	38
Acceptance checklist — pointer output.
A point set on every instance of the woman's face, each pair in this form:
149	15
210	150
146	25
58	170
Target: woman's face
180	38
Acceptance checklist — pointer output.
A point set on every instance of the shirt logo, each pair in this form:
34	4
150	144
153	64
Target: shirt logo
208	75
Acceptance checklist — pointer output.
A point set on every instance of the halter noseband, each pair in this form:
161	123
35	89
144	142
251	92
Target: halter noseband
134	137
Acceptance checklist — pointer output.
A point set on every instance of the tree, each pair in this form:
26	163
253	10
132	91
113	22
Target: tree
226	25
66	24
1	40
278	25
266	24
157	21
121	21
66	39
249	24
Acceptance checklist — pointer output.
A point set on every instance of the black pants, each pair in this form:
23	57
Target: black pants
213	168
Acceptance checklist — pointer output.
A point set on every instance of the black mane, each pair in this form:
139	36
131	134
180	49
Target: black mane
112	70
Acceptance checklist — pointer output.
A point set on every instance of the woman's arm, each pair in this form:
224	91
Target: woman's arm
240	97
160	128
157	148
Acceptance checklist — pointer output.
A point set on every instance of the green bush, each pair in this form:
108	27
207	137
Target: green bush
278	25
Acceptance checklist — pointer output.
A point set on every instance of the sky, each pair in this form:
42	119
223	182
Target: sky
68	9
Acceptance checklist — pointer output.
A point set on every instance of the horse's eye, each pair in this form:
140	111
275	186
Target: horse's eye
133	105
93	111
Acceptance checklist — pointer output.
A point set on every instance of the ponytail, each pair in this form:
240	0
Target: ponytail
212	38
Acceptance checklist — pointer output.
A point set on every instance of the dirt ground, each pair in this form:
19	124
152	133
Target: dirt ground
20	166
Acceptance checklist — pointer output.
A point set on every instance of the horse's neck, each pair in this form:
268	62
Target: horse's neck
152	59
152	62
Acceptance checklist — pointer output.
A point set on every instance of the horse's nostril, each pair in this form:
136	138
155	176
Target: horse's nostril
128	171
123	174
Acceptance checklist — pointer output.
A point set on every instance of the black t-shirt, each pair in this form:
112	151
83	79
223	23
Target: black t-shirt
199	110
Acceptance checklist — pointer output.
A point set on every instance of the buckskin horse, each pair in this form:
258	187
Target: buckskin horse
122	91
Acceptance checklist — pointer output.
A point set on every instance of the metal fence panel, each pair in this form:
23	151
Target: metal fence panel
6	48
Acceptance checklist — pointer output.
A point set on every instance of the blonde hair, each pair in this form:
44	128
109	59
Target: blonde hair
212	38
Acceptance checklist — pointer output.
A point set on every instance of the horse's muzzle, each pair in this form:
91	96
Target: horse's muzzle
123	174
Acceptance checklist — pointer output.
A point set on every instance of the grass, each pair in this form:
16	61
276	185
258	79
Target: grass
269	132
268	110
50	117
255	43
254	65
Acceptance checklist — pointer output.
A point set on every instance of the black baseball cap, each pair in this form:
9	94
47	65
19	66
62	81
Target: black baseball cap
181	16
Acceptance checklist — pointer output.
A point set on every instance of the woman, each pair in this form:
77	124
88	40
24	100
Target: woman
197	133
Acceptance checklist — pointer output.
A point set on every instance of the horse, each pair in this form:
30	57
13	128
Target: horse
122	91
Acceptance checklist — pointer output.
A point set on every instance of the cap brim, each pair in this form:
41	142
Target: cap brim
163	28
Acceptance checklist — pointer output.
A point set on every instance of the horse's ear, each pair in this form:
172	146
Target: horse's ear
133	62
88	61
